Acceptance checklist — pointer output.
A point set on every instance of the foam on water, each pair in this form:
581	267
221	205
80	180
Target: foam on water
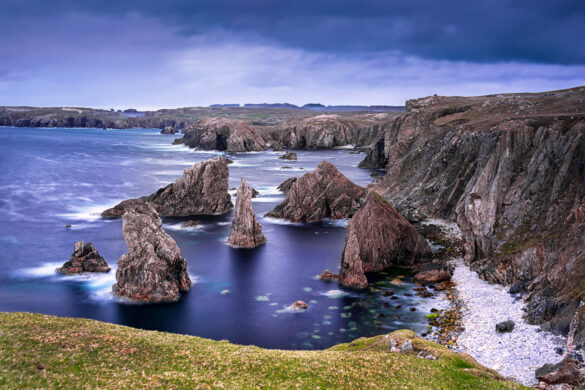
280	221
89	213
267	199
334	294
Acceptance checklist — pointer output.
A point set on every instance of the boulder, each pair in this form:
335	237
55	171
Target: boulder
566	371
328	275
324	193
298	305
378	237
433	273
245	232
505	326
289	156
287	184
85	258
153	269
203	190
223	134
191	223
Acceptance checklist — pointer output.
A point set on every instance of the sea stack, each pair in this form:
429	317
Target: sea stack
324	193
153	270
223	134
245	232
85	258
379	237
203	190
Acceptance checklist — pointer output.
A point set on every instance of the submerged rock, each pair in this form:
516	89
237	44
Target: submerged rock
324	193
153	270
203	190
289	156
222	134
85	258
287	184
378	237
245	232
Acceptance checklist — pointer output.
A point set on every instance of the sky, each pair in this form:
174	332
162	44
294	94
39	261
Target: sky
149	54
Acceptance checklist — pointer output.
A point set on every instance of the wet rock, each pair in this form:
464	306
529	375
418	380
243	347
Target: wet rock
223	134
328	275
68	226
153	269
191	223
388	293
505	326
378	237
85	258
324	193
203	190
298	305
245	231
289	156
169	130
286	185
433	273
566	371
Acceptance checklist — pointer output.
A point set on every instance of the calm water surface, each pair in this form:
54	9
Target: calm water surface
53	177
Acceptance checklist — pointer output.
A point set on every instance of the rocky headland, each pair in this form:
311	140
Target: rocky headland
324	193
510	170
223	134
153	269
378	237
203	190
85	258
246	231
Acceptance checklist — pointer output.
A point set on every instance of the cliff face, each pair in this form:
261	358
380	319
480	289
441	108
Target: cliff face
379	237
223	134
510	169
203	189
324	193
245	231
153	270
329	131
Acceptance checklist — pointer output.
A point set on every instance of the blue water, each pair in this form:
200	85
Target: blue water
54	177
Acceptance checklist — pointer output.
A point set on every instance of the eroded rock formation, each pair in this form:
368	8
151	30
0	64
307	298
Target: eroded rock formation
245	232
286	185
379	237
85	258
223	134
153	270
324	193
510	170
203	190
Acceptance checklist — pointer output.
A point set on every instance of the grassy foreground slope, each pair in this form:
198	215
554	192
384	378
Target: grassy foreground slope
38	351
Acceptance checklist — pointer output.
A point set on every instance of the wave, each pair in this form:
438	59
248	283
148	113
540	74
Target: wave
280	221
89	213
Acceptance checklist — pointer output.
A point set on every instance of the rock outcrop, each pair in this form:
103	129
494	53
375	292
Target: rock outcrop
169	130
153	270
286	185
510	170
245	232
203	190
85	258
324	193
223	134
289	156
378	237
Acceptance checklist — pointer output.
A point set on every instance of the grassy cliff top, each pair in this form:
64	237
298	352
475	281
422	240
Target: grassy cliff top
39	351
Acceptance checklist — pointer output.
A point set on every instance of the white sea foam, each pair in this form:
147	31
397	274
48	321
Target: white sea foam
266	199
334	294
280	221
88	213
336	222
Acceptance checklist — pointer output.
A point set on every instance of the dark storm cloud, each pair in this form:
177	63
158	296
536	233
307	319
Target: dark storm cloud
476	31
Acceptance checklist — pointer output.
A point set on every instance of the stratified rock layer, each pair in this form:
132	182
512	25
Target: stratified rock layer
510	169
223	134
85	258
245	232
203	190
153	270
378	237
324	193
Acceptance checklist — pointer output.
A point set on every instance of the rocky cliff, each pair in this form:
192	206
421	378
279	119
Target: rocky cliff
245	232
203	189
223	134
85	258
324	193
510	170
153	270
378	237
329	130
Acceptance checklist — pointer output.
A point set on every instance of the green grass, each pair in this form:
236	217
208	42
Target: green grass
38	351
